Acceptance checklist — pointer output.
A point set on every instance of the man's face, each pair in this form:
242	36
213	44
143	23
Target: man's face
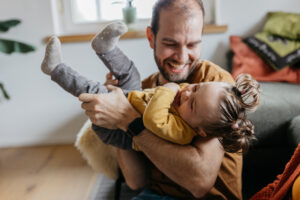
177	44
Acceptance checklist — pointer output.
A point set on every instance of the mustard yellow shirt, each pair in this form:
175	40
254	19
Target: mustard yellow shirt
159	116
228	184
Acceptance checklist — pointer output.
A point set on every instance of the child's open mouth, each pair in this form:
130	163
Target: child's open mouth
177	99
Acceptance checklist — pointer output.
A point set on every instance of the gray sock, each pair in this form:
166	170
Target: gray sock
106	39
52	55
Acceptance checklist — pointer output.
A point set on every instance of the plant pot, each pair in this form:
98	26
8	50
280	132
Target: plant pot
129	15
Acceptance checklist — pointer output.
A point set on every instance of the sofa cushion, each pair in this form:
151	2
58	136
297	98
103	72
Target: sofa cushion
279	105
294	131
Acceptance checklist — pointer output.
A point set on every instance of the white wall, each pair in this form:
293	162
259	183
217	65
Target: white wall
40	112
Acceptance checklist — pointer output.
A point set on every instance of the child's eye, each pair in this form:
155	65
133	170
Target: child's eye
170	45
195	88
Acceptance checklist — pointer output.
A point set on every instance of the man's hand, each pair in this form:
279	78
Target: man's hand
111	110
173	86
110	80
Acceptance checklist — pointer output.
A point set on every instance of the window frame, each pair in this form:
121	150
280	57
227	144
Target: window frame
64	25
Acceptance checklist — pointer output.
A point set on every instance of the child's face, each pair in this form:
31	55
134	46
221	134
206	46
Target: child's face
199	103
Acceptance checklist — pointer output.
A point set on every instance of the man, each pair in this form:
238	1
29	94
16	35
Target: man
199	170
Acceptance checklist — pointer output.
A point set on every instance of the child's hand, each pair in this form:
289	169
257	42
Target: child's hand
173	86
110	80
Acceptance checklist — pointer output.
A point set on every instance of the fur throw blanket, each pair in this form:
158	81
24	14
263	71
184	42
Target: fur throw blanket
101	157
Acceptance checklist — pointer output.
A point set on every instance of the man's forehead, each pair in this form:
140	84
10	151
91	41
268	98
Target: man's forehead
180	34
181	7
172	26
172	15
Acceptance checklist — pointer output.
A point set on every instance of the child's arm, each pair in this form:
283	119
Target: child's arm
158	118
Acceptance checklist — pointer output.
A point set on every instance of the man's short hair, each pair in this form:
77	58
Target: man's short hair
164	4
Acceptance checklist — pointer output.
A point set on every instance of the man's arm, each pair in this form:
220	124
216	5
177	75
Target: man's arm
194	167
111	110
134	168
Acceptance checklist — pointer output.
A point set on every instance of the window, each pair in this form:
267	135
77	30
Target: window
107	10
84	11
85	16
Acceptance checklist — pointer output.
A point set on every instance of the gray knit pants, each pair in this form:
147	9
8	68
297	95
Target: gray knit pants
129	79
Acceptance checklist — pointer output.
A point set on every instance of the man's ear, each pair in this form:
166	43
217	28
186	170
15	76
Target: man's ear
150	36
201	132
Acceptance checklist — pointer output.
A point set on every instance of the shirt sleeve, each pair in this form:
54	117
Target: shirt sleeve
165	124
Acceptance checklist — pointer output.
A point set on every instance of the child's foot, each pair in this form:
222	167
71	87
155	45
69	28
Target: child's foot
106	40
52	55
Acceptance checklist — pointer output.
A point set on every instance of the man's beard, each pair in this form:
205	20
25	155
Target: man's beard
172	77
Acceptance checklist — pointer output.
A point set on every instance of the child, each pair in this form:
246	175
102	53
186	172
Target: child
175	113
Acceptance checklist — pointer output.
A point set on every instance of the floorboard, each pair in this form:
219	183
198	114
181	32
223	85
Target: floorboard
46	172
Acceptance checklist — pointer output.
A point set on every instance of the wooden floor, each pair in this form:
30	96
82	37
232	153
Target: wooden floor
42	173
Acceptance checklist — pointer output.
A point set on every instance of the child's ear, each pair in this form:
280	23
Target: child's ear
150	37
201	132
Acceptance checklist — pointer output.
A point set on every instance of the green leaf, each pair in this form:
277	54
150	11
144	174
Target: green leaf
6	25
10	46
4	91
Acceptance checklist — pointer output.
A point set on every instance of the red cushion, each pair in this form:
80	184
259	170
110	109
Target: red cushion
245	60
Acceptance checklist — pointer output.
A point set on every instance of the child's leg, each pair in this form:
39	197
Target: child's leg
52	55
65	76
76	84
107	39
104	44
117	137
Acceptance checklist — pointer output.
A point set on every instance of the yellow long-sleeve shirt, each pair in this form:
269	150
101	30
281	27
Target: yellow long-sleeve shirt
159	116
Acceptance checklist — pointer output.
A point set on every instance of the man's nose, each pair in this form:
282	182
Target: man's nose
181	55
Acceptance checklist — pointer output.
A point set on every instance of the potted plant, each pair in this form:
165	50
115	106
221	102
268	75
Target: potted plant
10	46
129	13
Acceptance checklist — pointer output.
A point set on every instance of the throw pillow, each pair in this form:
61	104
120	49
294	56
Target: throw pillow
279	52
283	24
245	60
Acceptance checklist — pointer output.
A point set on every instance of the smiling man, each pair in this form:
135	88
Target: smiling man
176	41
199	170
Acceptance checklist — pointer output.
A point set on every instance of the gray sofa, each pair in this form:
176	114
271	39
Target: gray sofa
277	127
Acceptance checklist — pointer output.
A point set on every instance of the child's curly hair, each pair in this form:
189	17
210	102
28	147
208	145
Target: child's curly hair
233	129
